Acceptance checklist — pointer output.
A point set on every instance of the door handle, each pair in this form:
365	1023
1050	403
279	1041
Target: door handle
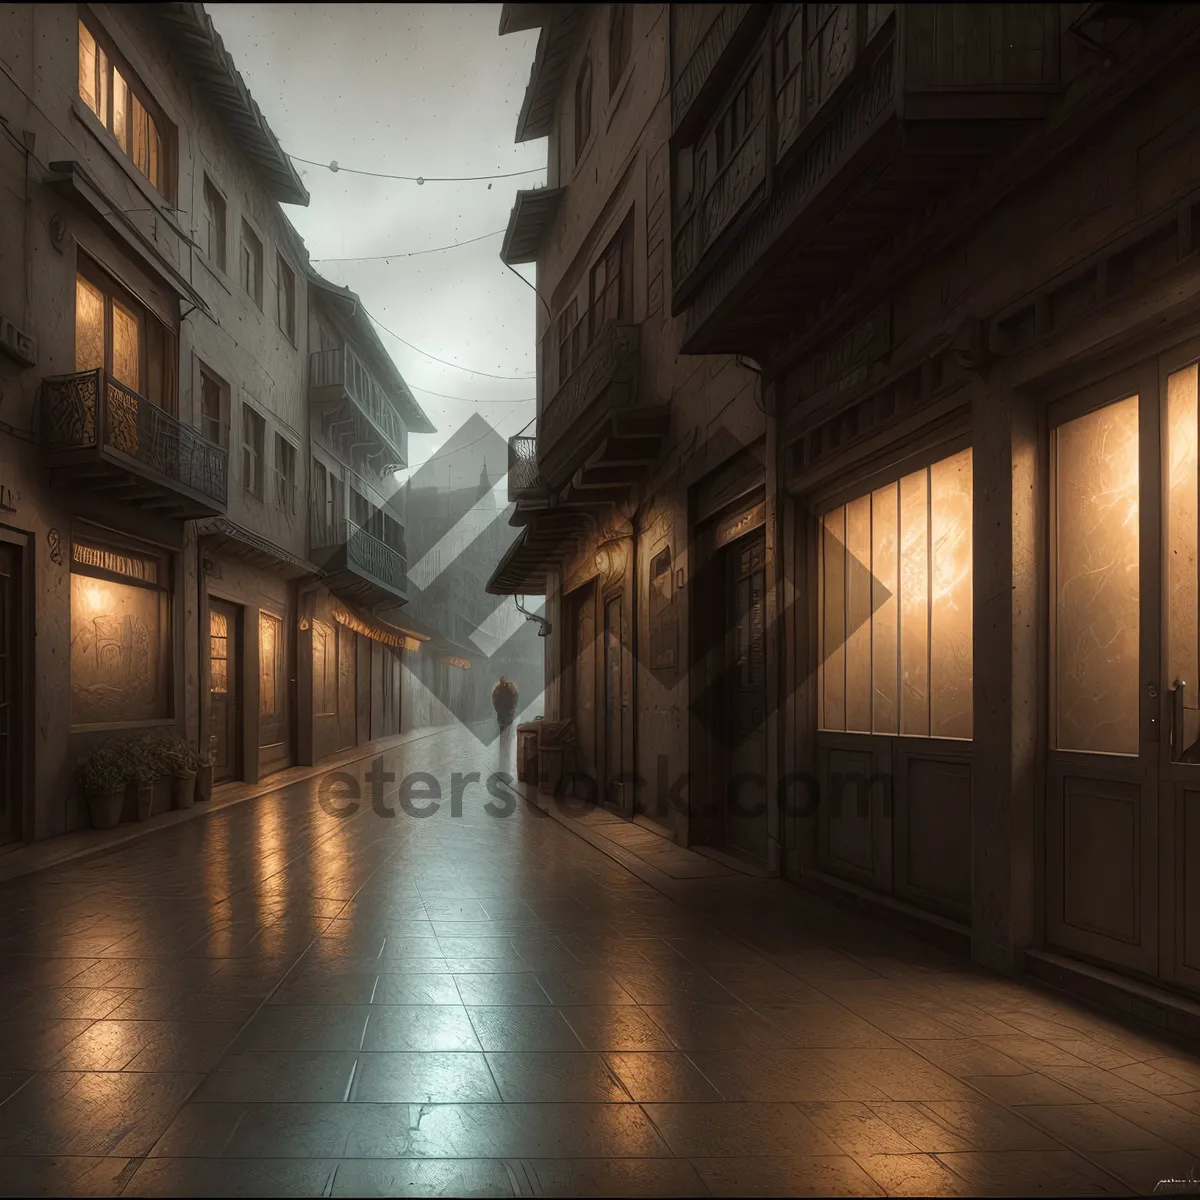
1175	734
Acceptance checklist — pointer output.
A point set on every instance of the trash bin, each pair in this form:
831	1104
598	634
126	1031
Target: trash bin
527	751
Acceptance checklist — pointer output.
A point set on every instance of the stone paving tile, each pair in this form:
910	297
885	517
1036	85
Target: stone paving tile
498	1008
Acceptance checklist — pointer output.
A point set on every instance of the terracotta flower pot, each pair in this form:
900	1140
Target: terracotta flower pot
105	807
185	789
145	800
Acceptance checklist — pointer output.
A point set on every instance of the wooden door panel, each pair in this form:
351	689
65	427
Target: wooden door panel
583	670
225	689
363	689
1101	847
347	691
11	706
932	798
846	832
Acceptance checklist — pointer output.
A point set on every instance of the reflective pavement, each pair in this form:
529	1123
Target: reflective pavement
272	1000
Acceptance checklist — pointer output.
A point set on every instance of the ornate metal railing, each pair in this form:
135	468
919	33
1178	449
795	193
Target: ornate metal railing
91	410
523	474
342	368
365	553
611	359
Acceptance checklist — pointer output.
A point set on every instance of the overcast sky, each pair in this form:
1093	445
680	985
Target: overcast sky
409	89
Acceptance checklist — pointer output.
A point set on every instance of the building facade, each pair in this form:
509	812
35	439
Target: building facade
957	241
200	527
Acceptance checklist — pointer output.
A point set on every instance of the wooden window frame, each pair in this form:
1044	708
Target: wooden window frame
206	373
107	64
285	486
285	297
583	108
213	193
616	262
250	241
253	422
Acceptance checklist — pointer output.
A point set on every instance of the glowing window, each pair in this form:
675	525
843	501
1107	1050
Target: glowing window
270	630
895	569
218	652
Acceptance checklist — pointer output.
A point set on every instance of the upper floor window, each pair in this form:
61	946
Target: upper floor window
285	474
610	288
215	233
252	264
214	407
570	340
125	109
114	332
583	108
285	296
254	429
620	41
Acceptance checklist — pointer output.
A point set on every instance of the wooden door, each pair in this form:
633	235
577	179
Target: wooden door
347	691
224	689
1102	797
11	706
274	695
745	695
582	668
616	704
363	689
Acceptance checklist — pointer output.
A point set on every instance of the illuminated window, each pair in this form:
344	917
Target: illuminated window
270	638
1096	586
115	333
123	107
214	223
218	652
895	585
119	630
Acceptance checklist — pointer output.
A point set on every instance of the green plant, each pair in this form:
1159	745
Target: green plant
104	770
146	760
179	756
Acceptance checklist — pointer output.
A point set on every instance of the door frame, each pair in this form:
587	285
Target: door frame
238	771
25	803
586	592
1122	776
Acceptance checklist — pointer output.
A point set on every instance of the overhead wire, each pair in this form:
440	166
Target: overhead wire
336	168
410	253
443	361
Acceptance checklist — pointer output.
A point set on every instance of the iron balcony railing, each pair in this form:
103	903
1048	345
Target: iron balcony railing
523	476
365	553
90	410
342	368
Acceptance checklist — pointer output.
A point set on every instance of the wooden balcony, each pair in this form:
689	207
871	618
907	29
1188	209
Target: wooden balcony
837	130
595	436
358	566
100	435
342	388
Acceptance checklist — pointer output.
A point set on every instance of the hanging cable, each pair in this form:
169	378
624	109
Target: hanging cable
468	399
444	362
417	179
529	285
410	253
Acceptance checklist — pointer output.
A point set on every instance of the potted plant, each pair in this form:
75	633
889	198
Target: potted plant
104	774
146	767
181	761
205	761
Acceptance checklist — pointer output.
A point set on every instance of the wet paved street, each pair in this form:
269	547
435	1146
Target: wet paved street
270	1000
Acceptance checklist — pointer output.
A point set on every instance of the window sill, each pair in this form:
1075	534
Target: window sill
161	205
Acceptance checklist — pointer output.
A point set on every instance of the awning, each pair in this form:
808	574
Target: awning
532	214
561	25
440	644
383	632
232	538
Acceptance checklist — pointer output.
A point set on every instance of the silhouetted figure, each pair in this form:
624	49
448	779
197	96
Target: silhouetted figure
504	701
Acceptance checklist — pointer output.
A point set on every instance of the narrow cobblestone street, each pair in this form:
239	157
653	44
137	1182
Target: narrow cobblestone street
270	1000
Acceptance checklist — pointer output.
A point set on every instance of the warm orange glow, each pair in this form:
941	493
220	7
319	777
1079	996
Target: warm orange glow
896	609
1097	589
1182	534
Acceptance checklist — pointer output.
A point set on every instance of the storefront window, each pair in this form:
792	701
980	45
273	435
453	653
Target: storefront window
119	636
895	586
1096	583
